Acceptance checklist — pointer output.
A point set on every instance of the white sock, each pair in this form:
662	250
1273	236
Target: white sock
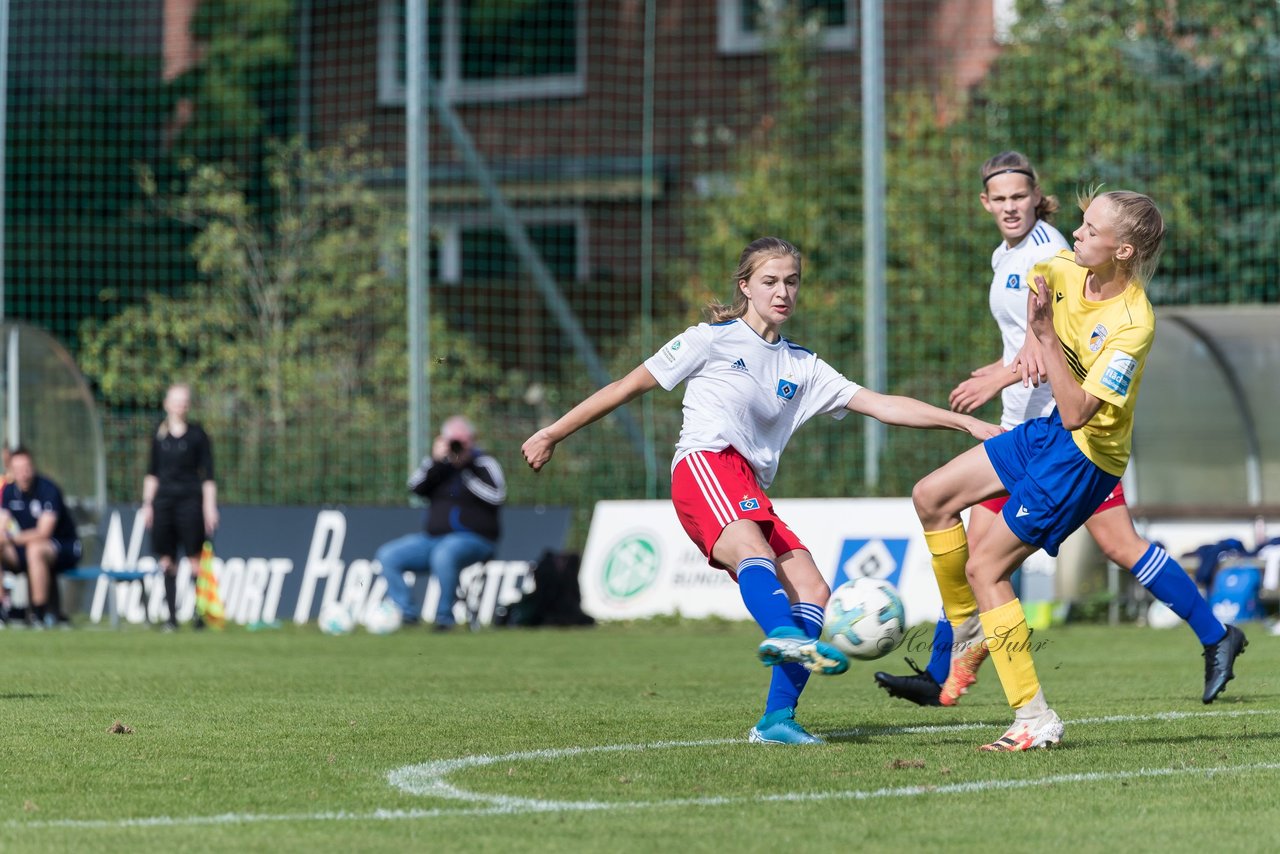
966	635
1034	708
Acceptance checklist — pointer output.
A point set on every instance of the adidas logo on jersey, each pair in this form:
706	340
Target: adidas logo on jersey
740	365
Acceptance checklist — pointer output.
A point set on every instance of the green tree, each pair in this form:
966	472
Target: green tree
1177	100
293	336
80	239
77	224
241	89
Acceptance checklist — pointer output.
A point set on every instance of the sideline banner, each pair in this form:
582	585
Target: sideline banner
639	561
285	563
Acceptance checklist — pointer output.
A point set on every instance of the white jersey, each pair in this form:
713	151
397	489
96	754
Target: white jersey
744	392
1009	307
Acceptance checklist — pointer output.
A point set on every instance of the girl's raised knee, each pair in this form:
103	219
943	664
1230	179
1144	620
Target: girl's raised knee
924	497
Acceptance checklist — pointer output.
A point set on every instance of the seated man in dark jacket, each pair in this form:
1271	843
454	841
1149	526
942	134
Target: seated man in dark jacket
466	489
38	536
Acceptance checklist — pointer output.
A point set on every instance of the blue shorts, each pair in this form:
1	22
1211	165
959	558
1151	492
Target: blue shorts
1053	487
66	555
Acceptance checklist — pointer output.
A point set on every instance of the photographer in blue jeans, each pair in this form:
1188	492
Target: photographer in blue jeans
466	491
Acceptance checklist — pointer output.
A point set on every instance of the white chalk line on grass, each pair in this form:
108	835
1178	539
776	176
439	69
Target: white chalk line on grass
517	806
428	779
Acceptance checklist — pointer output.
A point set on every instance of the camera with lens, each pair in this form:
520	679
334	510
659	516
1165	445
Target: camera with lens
456	447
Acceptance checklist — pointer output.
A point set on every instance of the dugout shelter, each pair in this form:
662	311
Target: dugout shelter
1207	437
1206	444
46	405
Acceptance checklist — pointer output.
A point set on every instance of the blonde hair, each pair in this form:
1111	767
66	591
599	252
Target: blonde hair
1138	222
162	431
756	253
1018	163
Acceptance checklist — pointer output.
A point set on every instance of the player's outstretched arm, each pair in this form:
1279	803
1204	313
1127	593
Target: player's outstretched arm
539	447
903	411
983	385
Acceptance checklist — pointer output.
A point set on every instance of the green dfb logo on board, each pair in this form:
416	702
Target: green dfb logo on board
631	567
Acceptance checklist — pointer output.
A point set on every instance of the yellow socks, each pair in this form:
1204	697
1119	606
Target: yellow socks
1009	641
950	550
1005	628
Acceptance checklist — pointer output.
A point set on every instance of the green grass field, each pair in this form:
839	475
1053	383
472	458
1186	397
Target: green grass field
622	737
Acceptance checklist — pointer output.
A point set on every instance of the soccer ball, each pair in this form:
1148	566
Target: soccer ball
336	619
864	618
383	619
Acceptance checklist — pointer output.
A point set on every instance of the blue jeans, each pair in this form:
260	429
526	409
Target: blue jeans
444	557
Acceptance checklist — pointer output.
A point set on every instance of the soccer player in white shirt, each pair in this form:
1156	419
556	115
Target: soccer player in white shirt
747	390
1011	193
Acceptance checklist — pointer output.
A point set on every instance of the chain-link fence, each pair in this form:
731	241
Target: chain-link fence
213	191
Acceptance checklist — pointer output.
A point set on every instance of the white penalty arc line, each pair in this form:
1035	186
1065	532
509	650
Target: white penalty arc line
507	807
430	778
427	779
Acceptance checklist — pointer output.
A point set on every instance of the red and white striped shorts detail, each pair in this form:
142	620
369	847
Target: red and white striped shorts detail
711	490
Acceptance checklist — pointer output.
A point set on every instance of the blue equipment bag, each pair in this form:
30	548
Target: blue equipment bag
1234	596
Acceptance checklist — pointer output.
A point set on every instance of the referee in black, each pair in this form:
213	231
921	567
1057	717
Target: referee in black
179	494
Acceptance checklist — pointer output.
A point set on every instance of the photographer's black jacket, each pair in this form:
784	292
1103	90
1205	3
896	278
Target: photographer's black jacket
465	498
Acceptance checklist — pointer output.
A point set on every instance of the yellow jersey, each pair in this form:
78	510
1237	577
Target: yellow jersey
1106	344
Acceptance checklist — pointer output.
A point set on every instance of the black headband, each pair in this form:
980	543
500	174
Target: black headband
1012	170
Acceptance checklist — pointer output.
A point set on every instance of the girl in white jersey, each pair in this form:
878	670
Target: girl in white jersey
1011	193
747	391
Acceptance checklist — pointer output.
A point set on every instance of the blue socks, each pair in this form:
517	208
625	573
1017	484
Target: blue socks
763	595
940	658
788	680
1156	571
769	605
1169	582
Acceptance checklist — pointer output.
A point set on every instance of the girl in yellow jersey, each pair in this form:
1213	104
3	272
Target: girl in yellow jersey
1090	328
1023	213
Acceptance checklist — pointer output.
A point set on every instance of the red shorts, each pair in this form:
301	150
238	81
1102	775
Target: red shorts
1114	499
711	490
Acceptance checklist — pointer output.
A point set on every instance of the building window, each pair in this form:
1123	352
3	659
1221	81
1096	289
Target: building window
470	250
1005	13
489	51
746	26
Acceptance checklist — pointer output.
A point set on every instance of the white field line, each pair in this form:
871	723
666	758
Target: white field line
428	779
925	729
